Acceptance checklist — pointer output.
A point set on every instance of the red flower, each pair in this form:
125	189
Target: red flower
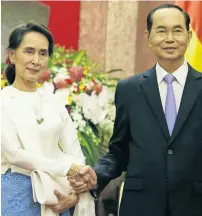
63	83
68	68
76	73
68	81
68	61
58	63
45	76
97	87
60	84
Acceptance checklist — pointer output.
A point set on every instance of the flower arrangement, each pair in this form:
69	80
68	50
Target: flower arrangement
87	93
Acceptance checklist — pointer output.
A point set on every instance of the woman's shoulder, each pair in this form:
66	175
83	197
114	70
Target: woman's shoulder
6	96
6	92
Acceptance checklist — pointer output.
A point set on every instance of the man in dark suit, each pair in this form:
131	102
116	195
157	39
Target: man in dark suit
157	132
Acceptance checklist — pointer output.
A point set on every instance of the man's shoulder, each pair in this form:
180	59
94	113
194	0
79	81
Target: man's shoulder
198	73
135	79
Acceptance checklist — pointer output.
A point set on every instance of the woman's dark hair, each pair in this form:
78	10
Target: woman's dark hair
150	15
16	38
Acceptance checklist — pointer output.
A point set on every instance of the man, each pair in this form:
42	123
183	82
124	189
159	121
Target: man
157	132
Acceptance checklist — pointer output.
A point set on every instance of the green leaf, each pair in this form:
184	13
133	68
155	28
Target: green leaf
3	66
78	57
84	142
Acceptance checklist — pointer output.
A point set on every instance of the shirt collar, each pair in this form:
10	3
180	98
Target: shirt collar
180	74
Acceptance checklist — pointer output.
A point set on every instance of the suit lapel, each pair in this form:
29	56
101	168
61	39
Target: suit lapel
190	94
150	88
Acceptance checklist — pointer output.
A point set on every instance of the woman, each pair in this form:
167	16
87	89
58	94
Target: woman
33	124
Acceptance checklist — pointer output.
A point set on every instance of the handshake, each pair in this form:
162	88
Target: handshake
81	178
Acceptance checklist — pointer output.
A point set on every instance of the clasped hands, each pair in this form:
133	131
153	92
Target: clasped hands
84	180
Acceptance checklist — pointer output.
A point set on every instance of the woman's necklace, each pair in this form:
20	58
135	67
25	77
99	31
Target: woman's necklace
41	119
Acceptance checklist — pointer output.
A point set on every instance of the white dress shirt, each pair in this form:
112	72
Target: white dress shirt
178	83
27	145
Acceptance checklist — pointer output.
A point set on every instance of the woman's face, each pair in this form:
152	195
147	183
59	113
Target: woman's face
31	57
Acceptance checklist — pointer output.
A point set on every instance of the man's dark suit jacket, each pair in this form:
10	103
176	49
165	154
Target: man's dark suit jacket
164	174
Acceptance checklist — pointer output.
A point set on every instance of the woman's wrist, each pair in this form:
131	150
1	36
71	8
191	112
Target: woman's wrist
72	171
74	194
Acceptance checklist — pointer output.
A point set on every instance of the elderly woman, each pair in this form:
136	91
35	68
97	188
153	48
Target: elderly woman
33	124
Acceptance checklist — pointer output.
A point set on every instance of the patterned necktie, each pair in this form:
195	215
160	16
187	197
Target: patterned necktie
170	107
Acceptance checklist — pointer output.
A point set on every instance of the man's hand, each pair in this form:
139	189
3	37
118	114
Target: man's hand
78	184
85	180
64	202
81	183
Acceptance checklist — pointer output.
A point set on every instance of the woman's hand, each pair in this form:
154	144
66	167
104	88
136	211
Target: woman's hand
64	202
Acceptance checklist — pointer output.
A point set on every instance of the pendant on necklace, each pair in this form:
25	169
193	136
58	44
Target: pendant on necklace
39	121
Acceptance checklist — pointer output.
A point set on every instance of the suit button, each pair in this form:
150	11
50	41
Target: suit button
170	152
165	180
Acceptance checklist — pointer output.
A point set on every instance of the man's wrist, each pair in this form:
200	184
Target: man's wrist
94	192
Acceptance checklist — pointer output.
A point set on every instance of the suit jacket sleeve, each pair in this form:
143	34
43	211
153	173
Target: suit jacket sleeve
115	161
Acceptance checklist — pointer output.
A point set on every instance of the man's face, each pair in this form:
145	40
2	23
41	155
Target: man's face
169	37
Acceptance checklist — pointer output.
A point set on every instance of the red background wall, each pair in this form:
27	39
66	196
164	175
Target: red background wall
64	22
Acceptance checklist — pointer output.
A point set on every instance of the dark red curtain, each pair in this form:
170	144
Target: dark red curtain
64	22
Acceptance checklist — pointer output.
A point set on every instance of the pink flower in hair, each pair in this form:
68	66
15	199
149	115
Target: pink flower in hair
8	62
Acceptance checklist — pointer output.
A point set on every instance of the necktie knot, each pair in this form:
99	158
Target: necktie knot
169	78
